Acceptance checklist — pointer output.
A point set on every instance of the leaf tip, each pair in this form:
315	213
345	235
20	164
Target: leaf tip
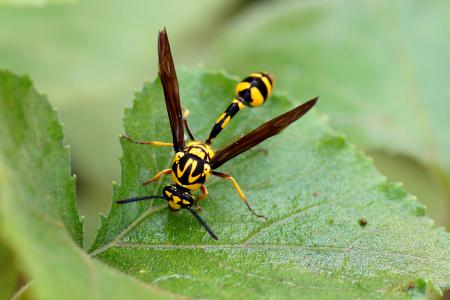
392	190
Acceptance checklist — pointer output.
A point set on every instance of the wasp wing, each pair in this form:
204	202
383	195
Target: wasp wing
265	131
169	82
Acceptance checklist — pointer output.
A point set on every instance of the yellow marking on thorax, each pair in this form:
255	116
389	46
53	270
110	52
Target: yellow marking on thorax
204	146
177	157
194	186
175	178
192	179
181	172
201	153
191	187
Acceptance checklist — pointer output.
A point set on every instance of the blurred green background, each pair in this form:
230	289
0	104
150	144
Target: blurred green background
381	69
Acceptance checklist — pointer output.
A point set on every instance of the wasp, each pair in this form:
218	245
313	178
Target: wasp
194	162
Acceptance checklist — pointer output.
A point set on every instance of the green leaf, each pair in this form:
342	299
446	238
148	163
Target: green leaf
38	218
33	154
310	181
34	2
381	68
87	64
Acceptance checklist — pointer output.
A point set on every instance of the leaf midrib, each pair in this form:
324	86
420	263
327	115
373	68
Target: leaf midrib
323	247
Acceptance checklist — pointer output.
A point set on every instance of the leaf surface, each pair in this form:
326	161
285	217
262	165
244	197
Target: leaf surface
381	68
38	217
89	64
33	3
311	182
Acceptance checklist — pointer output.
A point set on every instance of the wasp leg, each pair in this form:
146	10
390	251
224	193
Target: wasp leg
153	143
201	197
238	189
157	176
186	113
204	193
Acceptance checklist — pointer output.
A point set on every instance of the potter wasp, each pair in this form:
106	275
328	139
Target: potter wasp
195	161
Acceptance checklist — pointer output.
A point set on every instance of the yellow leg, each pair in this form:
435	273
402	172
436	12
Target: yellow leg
157	176
153	143
238	189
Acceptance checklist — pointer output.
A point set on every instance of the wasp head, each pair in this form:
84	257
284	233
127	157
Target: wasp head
178	197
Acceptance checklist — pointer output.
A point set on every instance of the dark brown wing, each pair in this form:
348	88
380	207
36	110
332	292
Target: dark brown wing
261	133
169	82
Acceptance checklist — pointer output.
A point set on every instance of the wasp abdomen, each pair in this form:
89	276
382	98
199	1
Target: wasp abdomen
224	119
252	91
255	89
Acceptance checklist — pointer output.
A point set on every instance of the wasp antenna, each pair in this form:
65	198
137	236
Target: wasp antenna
211	233
134	199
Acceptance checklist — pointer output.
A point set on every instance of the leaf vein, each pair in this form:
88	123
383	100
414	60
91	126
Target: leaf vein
282	219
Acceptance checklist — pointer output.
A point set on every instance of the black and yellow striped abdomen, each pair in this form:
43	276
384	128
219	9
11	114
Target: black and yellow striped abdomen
253	91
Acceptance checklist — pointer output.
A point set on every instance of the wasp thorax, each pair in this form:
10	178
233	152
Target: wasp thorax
178	155
200	149
190	168
178	197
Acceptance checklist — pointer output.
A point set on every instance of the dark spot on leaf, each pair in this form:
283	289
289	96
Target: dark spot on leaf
417	286
362	222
